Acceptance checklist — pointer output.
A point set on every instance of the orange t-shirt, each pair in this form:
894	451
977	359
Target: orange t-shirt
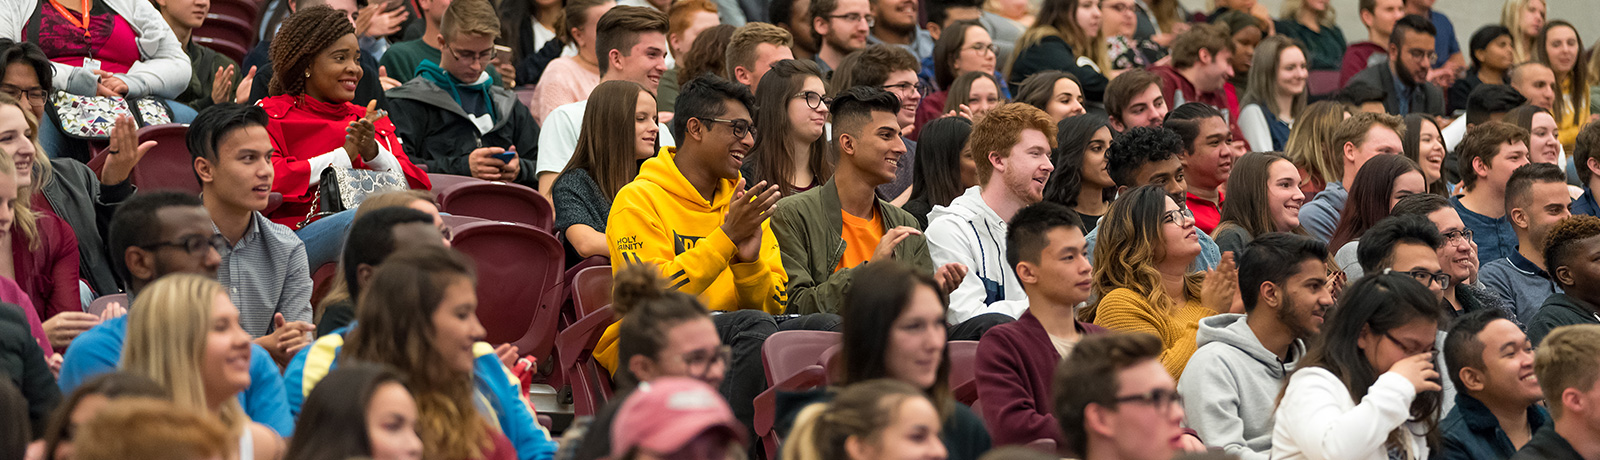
860	238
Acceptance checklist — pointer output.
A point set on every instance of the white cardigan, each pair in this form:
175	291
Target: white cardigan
1316	420
163	68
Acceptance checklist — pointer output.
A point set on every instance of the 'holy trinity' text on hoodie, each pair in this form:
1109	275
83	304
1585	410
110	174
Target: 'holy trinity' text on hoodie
661	219
968	232
1230	387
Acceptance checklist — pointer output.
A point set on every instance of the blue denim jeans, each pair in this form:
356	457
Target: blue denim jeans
324	238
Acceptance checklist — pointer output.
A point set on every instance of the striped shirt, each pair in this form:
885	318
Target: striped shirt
266	272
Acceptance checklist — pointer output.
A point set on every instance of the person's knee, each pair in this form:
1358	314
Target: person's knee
975	327
813	322
744	322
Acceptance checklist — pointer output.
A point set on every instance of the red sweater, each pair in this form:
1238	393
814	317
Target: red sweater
1016	363
1355	59
301	128
49	275
1178	90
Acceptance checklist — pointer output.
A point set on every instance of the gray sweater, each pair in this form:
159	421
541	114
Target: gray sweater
1321	215
1230	387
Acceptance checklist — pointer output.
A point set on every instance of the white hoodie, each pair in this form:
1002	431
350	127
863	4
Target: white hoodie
969	233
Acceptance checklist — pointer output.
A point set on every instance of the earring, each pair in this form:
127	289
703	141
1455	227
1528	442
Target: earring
308	74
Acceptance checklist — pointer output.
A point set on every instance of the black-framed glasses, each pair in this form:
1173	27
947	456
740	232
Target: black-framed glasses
741	128
981	47
901	88
1463	235
195	244
1177	216
856	17
1425	277
1431	346
701	361
1161	399
1118	7
814	99
34	95
471	56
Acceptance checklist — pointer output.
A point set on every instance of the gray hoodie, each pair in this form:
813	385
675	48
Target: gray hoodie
1230	387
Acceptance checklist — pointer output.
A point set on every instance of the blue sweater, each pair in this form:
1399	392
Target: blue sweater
499	398
99	350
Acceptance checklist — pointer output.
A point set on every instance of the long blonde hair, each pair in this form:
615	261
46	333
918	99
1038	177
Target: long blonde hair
861	411
167	329
1310	144
26	220
1522	45
1130	247
1325	18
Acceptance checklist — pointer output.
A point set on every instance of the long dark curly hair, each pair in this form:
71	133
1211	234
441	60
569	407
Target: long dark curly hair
306	33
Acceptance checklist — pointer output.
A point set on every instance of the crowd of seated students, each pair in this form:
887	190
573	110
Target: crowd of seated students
1281	273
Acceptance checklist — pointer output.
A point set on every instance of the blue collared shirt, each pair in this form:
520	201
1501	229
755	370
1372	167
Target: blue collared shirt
1586	204
1403	92
1495	237
1521	282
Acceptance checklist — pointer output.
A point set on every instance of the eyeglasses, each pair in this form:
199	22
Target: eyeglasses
903	88
1423	276
855	17
1463	235
195	244
34	95
471	56
814	99
1422	55
741	128
1162	399
981	47
701	361
1431	347
1118	7
1177	217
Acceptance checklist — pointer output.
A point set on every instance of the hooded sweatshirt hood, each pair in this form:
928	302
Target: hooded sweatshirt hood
662	172
1231	385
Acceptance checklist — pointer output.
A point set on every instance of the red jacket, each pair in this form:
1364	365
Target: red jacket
301	128
1016	363
1355	59
49	275
1178	90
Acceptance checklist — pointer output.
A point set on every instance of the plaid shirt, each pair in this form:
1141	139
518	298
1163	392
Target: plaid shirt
266	273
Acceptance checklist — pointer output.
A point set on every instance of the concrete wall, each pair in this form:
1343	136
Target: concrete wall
1467	15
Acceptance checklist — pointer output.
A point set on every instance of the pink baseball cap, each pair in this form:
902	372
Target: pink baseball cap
663	415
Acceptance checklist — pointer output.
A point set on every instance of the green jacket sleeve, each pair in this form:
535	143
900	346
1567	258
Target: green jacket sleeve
809	292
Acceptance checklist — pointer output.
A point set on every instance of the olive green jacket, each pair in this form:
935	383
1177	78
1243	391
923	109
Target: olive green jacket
808	227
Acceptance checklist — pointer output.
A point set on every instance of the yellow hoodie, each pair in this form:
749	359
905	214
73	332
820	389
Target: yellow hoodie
661	219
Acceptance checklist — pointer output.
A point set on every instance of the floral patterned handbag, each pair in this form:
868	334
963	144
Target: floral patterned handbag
345	188
91	117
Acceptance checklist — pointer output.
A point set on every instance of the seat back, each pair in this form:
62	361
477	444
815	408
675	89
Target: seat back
786	353
100	303
963	361
1323	82
443	181
591	384
322	281
591	289
499	201
224	47
166	166
519	282
228	29
244	10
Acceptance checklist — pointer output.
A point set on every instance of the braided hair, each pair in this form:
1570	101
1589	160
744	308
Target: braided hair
306	33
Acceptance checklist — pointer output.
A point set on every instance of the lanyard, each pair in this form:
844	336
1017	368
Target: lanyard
83	23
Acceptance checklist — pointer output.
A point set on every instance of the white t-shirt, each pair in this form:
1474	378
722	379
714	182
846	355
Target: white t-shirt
559	136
